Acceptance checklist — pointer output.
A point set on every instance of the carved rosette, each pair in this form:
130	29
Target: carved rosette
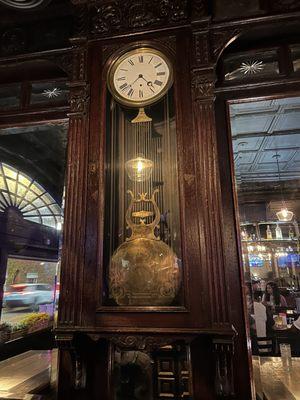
203	84
79	101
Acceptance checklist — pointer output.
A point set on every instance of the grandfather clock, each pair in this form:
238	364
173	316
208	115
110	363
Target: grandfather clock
144	308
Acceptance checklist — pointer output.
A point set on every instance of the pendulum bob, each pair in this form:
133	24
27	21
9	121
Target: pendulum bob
144	271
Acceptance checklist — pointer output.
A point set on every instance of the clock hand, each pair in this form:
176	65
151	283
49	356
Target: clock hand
150	86
135	80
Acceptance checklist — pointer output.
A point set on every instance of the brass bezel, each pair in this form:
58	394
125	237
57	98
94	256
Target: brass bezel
120	58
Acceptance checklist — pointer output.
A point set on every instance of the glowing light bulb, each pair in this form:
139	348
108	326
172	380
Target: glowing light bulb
139	169
139	166
284	215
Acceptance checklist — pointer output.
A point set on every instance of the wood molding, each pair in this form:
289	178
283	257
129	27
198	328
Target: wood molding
75	203
208	191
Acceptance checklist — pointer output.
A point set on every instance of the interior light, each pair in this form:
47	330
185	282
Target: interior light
284	215
139	169
59	226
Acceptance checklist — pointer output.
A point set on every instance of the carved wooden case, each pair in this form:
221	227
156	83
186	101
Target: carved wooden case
183	314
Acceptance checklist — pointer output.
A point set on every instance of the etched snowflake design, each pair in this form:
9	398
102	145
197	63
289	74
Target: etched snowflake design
251	67
52	93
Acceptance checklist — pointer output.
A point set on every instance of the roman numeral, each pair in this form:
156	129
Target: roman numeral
158	83
150	87
123	69
141	59
158	65
161	73
131	62
124	86
130	92
150	60
141	93
122	78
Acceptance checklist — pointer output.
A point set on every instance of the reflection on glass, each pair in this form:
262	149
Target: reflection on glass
24	193
159	373
142	227
48	93
266	147
10	96
32	166
30	296
295	51
251	65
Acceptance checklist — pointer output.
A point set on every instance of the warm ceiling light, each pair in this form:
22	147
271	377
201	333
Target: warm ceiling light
284	215
139	169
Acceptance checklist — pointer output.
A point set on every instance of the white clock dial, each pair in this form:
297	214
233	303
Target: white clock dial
141	77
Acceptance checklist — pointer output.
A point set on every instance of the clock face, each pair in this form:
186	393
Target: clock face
140	77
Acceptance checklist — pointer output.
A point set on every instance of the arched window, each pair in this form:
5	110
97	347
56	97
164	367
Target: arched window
33	201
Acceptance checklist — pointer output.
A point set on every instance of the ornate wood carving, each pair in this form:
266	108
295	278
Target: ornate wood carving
75	204
224	381
208	192
82	18
65	342
201	54
79	100
146	343
116	16
168	43
203	84
284	5
199	9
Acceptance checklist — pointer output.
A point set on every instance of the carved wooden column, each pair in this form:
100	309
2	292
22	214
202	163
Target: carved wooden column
75	200
208	185
71	367
213	262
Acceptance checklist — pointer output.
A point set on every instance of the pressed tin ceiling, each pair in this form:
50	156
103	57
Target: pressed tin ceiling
262	129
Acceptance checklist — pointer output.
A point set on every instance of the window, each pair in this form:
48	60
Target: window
29	197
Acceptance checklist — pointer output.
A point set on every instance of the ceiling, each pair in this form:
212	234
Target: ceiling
262	129
38	151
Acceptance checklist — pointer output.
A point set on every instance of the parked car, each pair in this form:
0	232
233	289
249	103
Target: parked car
28	295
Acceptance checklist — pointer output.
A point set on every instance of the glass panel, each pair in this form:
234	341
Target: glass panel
52	93
295	50
158	374
266	148
248	66
32	165
28	198
142	227
10	96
